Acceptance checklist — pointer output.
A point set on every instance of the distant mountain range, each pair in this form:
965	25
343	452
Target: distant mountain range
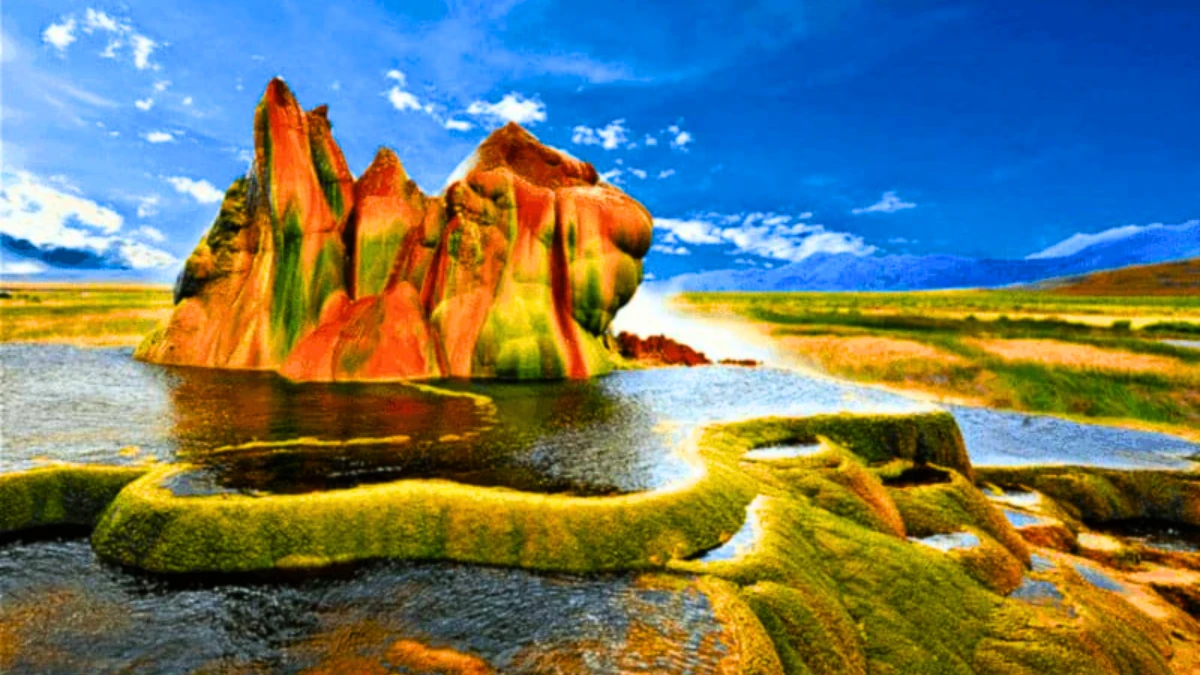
848	272
1181	277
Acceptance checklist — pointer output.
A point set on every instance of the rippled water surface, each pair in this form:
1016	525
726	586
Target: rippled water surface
62	611
612	434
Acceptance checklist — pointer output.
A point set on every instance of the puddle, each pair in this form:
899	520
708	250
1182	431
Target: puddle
784	451
1041	563
299	469
1187	344
1019	498
1038	592
743	541
1019	519
948	542
1097	578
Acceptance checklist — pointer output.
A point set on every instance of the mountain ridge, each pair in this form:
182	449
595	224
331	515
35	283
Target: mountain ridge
908	272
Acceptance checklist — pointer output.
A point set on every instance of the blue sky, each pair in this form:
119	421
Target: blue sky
756	133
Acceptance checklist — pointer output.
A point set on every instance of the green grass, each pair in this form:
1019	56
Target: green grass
951	321
1010	301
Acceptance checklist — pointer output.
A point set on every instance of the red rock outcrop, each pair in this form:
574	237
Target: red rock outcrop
515	272
659	350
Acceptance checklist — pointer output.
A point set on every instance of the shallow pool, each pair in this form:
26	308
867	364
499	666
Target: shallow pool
612	434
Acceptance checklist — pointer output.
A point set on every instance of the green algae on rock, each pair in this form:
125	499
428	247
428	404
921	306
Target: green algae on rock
1096	495
931	437
60	495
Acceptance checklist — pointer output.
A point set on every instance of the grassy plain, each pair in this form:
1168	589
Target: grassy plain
93	315
1100	358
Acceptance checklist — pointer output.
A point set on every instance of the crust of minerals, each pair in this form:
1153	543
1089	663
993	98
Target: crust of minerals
515	272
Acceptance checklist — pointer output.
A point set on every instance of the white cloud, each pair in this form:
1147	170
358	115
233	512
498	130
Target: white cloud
142	48
513	107
650	140
20	268
767	235
94	20
888	203
144	103
200	190
60	35
402	100
681	140
692	231
158	137
187	100
458	125
147	206
609	137
336	86
121	33
152	233
139	256
670	250
35	210
666	173
1079	241
612	176
639	173
161	85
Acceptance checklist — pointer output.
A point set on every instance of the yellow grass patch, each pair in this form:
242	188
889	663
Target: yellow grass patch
851	353
1075	355
119	328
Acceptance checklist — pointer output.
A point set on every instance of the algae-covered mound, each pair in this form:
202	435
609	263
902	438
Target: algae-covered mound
151	527
1101	495
515	272
60	495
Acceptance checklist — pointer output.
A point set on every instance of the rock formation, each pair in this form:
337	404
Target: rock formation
658	350
515	272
